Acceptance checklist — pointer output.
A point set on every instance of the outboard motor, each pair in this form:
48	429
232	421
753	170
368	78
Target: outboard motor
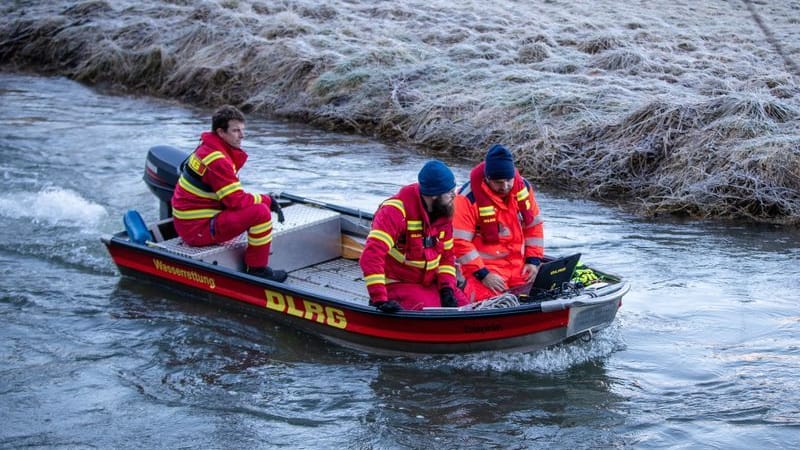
161	172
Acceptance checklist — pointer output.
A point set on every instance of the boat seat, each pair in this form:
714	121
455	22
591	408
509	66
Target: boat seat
309	236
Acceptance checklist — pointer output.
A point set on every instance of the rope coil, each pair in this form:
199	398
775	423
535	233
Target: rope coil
505	300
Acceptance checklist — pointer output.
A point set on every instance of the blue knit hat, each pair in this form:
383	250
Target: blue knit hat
499	163
435	178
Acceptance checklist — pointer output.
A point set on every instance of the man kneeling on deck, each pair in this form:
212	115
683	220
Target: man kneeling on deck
408	260
209	205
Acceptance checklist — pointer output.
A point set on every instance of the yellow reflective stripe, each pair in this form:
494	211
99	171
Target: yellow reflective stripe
256	198
417	264
192	189
448	244
447	270
229	189
395	253
486	210
258	241
414	225
211	157
261	228
397	204
190	214
377	278
522	195
381	236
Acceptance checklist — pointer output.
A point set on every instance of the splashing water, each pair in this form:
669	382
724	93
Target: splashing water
52	206
551	360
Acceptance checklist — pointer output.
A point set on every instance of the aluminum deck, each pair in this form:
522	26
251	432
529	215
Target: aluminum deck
307	245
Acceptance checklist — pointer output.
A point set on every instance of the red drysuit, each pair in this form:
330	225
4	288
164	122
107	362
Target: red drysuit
406	258
495	234
209	205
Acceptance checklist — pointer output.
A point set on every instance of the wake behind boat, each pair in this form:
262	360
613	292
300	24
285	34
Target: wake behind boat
319	245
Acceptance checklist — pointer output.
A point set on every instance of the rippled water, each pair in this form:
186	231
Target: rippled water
704	353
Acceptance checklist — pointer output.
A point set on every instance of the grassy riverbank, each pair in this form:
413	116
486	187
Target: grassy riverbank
667	106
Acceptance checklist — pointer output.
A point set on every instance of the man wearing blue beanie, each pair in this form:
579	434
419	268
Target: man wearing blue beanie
499	164
408	259
499	235
435	179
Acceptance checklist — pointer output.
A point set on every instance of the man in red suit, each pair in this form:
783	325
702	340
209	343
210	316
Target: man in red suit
210	206
499	234
408	260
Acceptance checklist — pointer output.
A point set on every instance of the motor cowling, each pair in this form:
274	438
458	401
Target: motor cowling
161	172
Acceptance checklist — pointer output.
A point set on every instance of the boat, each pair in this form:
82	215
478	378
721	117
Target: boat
319	244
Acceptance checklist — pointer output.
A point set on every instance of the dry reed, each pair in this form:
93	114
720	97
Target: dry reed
672	107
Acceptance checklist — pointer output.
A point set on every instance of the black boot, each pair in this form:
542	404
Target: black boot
268	273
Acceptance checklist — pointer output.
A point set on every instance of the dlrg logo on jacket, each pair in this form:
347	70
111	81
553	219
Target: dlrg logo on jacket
196	165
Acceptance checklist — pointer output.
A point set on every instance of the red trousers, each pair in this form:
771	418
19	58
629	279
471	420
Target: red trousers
414	296
475	291
229	224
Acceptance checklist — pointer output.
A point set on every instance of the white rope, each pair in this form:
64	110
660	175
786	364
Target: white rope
504	300
508	300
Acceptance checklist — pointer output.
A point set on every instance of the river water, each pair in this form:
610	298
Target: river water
704	353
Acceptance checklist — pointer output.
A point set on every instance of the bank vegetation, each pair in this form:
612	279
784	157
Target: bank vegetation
667	107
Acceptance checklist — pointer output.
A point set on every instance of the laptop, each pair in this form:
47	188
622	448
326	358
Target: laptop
553	274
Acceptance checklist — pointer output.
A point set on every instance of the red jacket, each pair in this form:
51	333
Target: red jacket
516	242
211	185
396	249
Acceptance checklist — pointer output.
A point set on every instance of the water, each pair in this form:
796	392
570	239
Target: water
704	353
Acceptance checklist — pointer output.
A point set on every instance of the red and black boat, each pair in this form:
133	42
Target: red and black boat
325	295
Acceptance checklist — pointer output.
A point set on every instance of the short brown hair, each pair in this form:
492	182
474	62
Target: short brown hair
224	115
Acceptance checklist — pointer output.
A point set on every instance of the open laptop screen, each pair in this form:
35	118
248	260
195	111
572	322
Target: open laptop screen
553	274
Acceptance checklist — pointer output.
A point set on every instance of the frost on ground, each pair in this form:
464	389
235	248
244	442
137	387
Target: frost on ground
676	107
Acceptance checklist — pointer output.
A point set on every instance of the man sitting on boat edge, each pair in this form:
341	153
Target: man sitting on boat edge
498	233
210	206
408	261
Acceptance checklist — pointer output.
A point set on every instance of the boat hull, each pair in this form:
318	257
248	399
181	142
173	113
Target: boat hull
354	324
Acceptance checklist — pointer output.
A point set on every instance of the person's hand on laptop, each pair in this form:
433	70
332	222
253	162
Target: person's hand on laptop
529	271
495	283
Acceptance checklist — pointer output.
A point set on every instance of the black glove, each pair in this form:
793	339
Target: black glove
275	207
448	297
389	306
